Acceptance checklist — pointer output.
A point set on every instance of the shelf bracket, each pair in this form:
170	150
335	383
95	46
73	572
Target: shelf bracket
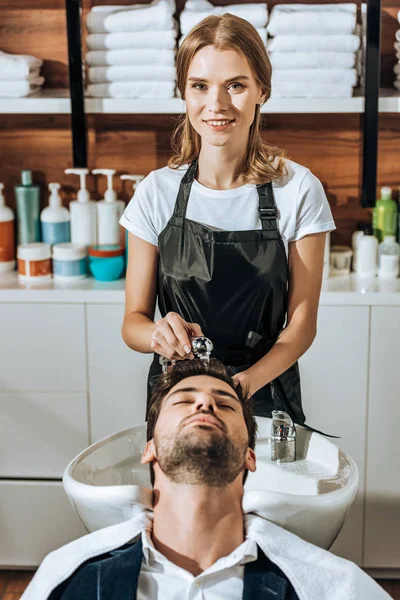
78	119
371	109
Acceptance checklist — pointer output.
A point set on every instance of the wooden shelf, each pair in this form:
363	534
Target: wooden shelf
58	102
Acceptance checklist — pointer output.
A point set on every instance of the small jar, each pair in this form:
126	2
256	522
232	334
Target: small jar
340	260
34	262
69	262
107	263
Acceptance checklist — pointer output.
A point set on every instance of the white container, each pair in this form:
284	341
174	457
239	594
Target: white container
7	235
340	260
83	213
55	219
389	257
34	262
355	238
367	255
69	262
109	212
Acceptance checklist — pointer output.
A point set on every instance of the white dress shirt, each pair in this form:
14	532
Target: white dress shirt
161	579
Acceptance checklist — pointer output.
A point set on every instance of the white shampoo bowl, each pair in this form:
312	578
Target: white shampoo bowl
107	484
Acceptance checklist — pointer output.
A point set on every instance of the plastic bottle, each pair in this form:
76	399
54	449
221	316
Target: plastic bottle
389	257
28	209
367	253
7	235
384	219
83	213
109	212
136	180
55	219
355	238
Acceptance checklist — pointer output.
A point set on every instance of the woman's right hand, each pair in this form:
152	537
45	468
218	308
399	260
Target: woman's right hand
171	337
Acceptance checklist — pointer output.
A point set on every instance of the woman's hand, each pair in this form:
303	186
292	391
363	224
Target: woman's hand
245	381
171	337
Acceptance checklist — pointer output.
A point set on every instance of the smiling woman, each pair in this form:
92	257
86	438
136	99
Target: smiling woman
229	237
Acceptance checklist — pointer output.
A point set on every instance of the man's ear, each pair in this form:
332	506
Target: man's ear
250	462
149	453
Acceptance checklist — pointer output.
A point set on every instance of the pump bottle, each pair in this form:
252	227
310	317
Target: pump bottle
83	213
7	235
136	179
109	212
55	219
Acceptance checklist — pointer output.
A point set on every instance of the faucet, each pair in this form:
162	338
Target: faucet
201	348
283	437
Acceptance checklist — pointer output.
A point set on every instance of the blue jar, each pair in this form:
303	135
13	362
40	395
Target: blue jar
69	262
107	262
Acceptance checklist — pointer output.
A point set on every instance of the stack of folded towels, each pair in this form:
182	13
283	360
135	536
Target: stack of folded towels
131	50
19	75
313	50
397	48
196	10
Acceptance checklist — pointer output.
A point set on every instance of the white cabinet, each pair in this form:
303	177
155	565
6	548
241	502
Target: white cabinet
35	518
382	530
117	375
41	433
42	348
334	374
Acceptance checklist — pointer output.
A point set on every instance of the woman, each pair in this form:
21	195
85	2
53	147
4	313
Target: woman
230	236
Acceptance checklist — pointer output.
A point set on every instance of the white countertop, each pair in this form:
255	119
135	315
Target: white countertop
339	290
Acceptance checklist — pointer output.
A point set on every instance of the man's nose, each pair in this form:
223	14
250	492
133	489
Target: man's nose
205	401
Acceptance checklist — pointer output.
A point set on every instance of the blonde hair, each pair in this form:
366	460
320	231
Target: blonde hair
262	162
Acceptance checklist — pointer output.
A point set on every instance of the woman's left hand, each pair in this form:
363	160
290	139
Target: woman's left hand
245	382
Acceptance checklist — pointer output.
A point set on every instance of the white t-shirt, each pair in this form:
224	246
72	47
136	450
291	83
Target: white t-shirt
299	197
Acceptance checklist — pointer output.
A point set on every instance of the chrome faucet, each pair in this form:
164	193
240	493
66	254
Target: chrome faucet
201	348
283	437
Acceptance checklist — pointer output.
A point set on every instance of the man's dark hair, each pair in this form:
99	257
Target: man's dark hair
191	368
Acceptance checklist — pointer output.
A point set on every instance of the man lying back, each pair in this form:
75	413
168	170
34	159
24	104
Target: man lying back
197	543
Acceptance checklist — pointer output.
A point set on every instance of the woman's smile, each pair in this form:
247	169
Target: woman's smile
219	124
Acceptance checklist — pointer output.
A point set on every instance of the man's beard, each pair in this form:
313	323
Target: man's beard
209	458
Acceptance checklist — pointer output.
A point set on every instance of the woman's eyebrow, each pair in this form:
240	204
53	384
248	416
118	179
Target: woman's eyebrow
226	81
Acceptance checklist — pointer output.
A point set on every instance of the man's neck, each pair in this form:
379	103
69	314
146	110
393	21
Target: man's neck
194	526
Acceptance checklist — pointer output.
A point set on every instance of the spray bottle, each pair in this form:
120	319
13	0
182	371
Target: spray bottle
136	180
28	209
7	235
55	219
83	213
109	212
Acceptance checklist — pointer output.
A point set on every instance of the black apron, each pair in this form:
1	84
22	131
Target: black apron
234	284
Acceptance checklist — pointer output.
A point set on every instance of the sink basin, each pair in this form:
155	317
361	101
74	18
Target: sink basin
107	484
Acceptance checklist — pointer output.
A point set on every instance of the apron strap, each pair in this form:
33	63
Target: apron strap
267	212
184	191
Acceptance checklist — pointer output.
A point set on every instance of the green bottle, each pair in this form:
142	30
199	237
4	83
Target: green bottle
384	217
28	209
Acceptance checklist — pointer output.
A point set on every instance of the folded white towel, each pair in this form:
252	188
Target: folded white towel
396	69
314	43
18	66
299	89
137	56
398	16
397	46
139	17
397	84
341	76
313	60
397	35
262	31
20	89
194	12
292	19
134	73
156	39
137	89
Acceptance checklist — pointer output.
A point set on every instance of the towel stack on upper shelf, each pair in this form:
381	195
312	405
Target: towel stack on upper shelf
396	68
196	10
19	75
313	50
131	50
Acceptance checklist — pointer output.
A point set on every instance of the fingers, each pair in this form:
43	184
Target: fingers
195	329
170	337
